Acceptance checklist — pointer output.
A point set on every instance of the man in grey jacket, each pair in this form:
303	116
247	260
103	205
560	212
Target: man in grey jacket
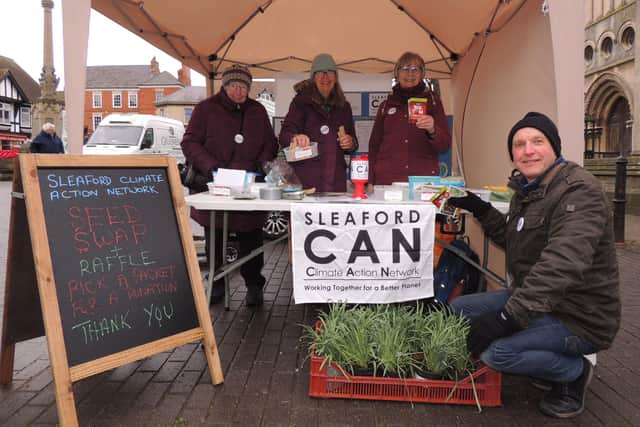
563	301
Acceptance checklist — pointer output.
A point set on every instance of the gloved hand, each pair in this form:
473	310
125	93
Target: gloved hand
489	327
471	202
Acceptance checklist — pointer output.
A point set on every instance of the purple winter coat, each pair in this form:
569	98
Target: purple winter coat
208	144
327	171
398	149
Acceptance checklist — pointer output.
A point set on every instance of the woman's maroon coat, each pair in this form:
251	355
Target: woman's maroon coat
209	143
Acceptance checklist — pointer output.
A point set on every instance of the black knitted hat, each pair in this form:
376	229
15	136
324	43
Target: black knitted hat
543	124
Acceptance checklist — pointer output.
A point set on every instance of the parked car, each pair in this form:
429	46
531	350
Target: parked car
233	249
276	225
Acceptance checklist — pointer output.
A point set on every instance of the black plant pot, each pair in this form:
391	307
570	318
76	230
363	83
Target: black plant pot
427	375
393	374
358	371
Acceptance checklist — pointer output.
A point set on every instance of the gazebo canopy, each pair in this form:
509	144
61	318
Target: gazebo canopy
501	58
283	35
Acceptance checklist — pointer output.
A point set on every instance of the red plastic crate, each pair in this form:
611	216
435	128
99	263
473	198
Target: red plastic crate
329	382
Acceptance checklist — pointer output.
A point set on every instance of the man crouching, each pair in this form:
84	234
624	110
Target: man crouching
563	301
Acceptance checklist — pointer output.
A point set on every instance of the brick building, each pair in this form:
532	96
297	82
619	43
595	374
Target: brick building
125	89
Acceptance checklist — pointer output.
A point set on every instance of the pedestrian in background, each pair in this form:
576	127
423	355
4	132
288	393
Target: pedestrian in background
47	141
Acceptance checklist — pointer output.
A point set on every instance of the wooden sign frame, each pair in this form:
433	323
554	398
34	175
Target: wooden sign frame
63	374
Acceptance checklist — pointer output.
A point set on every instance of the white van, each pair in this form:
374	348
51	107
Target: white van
137	134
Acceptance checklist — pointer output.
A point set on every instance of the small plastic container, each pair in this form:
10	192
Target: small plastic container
401	186
293	195
301	153
270	193
218	190
255	188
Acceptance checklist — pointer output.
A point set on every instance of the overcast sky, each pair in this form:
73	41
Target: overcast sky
21	39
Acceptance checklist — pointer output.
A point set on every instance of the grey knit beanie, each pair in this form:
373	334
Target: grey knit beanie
237	73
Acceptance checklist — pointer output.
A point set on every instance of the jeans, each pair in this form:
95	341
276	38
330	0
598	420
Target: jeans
546	349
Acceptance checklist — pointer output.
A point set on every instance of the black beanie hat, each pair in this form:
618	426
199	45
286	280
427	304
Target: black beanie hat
543	124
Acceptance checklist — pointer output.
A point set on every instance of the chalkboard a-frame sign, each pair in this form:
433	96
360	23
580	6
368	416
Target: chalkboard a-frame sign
116	270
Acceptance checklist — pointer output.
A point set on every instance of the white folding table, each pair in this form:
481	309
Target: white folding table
205	201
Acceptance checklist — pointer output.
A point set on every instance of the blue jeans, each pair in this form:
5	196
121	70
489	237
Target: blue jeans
546	349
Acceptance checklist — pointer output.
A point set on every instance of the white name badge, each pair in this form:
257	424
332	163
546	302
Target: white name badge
324	129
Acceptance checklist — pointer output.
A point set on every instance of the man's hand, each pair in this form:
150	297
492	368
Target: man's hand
471	202
488	327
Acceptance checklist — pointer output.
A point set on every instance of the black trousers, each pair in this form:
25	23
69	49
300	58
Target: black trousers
247	241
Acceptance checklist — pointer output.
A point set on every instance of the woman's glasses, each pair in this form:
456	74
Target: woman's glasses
326	73
410	69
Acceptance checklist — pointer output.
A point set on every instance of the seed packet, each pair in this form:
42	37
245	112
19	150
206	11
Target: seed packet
417	107
456	192
417	181
441	198
426	192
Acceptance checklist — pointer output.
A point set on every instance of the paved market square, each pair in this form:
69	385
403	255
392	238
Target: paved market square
267	374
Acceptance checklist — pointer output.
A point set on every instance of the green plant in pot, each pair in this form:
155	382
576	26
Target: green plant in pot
443	345
393	338
356	341
325	340
345	338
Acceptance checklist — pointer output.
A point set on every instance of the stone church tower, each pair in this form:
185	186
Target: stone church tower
47	108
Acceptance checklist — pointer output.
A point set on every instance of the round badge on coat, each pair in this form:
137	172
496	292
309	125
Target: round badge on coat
239	139
324	129
392	110
520	223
